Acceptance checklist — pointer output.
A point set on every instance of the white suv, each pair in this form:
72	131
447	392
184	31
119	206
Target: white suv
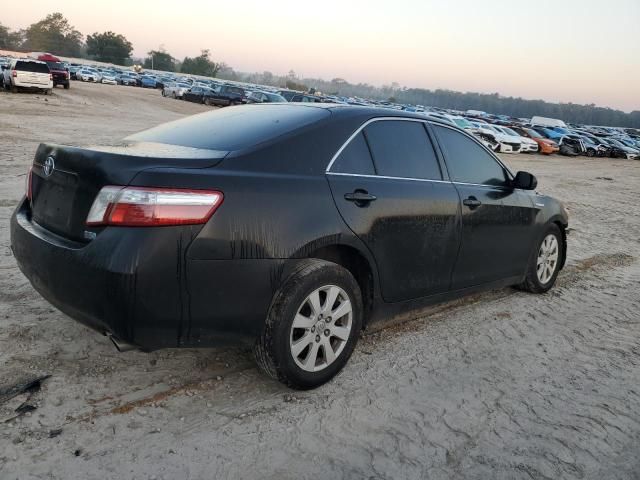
23	73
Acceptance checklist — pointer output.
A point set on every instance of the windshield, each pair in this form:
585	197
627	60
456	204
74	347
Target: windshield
462	123
275	97
510	132
533	133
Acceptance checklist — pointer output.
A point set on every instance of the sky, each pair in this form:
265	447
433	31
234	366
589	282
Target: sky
584	51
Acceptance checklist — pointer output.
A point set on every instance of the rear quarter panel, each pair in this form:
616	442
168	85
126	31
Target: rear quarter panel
263	216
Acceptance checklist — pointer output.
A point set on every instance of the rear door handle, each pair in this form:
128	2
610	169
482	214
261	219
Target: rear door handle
472	202
360	197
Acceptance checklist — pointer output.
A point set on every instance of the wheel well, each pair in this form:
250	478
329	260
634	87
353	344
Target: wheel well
357	265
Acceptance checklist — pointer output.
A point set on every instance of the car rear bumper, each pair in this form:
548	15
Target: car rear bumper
138	284
25	84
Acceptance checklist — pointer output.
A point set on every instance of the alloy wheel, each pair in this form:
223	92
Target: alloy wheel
321	328
547	258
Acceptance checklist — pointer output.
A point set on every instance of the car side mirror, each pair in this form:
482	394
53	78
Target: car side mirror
524	181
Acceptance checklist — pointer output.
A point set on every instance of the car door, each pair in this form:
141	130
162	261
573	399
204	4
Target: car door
388	185
497	220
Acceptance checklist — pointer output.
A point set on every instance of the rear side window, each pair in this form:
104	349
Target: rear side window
32	67
467	161
355	158
402	149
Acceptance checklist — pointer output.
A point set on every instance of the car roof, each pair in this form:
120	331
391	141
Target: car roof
347	110
30	60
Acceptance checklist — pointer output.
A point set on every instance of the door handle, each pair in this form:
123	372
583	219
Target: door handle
472	203
360	197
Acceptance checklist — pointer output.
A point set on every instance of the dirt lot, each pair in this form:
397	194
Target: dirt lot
502	385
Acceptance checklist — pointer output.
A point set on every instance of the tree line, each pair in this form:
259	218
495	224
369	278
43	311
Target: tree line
56	35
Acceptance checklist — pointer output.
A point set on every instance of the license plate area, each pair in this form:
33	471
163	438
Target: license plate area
53	201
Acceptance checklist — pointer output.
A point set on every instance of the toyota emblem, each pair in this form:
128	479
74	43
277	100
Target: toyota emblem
49	166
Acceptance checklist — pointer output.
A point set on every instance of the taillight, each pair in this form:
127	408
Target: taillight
51	76
14	73
149	207
28	188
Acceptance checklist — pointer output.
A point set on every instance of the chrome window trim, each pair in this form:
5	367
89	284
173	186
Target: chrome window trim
386	177
510	174
362	175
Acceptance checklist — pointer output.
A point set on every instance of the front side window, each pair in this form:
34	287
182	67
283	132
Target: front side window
467	161
355	158
402	149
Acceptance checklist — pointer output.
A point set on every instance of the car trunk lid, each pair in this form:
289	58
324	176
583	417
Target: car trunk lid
65	180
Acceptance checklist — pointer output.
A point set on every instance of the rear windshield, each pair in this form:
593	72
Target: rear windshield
55	65
32	67
233	128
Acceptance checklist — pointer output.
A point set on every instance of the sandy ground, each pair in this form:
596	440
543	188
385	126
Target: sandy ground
501	385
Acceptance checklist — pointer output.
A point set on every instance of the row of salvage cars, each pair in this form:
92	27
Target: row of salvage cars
545	135
500	133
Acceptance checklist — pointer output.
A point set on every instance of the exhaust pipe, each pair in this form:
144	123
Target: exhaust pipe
120	345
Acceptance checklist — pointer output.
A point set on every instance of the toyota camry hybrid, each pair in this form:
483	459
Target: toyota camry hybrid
287	227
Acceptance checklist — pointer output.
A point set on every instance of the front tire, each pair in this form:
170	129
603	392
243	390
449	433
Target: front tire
545	262
312	326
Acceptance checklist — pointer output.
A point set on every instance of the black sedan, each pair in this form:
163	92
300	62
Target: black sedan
198	94
290	227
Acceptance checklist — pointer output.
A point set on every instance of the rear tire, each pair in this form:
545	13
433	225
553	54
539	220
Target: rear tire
545	262
302	345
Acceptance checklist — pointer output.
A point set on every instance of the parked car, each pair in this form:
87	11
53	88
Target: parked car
27	74
545	145
109	79
59	72
548	133
227	95
130	79
282	204
547	122
72	72
526	144
264	97
503	143
147	81
199	95
87	75
570	147
304	98
175	90
593	148
620	150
